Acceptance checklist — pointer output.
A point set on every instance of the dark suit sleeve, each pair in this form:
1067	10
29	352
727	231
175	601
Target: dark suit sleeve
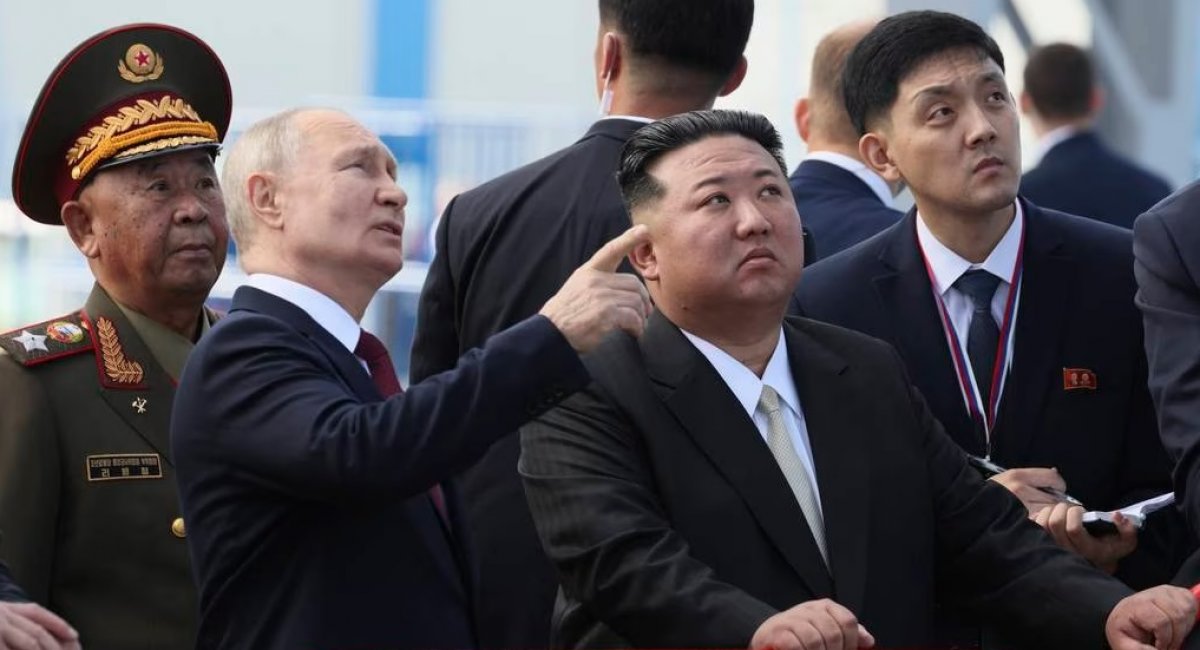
436	343
1003	567
592	496
275	411
9	591
1170	304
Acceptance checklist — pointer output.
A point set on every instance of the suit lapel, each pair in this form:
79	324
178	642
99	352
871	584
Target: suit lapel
131	381
838	446
1045	300
706	408
908	299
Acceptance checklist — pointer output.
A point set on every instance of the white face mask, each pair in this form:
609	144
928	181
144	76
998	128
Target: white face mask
606	97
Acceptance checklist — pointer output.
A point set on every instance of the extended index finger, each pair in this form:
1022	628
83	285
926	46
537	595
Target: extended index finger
609	257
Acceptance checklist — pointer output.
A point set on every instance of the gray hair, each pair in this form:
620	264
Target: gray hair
269	145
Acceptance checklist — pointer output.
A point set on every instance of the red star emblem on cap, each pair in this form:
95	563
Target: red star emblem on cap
143	57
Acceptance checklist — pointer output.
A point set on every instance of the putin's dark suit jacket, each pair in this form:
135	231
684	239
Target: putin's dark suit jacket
1166	246
673	527
1081	175
306	493
1076	311
837	207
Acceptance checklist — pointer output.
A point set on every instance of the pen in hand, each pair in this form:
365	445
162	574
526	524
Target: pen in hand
990	469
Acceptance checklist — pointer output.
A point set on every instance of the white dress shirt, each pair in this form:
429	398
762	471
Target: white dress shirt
859	169
1053	138
948	267
747	388
321	308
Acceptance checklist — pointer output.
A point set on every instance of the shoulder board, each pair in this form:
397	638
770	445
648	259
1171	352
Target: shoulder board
56	338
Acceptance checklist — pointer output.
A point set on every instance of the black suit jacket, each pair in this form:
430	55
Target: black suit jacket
1166	245
503	249
837	207
306	493
1081	175
1076	311
672	526
9	591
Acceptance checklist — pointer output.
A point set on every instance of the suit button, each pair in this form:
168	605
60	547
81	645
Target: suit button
178	528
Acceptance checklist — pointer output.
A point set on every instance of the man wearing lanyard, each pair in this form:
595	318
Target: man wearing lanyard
1016	323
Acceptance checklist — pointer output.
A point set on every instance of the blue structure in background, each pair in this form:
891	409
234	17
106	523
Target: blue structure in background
403	30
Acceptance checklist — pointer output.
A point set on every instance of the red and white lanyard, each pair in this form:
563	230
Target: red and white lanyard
966	379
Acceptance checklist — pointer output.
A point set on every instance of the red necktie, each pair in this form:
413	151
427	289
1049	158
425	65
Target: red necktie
383	373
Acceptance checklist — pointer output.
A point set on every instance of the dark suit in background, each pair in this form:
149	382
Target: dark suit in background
305	491
9	591
1076	311
1166	246
673	526
837	207
503	249
1081	175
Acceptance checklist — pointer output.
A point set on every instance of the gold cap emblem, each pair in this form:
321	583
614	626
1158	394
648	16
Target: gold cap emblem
140	64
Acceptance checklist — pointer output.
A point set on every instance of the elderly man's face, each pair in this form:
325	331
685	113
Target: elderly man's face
344	212
725	234
158	229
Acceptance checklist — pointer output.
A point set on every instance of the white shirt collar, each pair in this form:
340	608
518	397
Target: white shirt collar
948	266
859	169
321	308
1053	138
746	386
632	118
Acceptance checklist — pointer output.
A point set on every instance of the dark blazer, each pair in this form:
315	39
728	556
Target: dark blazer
672	526
9	591
503	249
1166	246
1076	311
306	493
837	207
1081	175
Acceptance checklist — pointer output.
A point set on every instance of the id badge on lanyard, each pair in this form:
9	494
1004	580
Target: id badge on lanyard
983	412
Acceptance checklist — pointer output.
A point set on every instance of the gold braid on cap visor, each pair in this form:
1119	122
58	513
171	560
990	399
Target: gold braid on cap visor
145	126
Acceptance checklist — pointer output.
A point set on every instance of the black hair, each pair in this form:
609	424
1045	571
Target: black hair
1059	79
653	141
896	47
707	36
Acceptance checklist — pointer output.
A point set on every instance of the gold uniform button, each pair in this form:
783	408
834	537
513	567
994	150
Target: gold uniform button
178	528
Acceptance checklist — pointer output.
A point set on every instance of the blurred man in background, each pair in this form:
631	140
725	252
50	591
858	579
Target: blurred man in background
841	200
1077	172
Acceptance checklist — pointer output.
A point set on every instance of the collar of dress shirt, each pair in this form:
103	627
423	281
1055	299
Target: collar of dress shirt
632	118
318	306
1053	138
948	266
746	386
856	167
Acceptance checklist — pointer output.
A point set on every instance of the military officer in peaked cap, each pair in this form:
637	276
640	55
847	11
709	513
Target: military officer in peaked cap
119	150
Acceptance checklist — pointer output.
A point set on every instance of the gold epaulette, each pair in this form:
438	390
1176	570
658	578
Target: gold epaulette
46	341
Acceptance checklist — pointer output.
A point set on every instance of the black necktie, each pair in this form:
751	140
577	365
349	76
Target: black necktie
383	373
983	335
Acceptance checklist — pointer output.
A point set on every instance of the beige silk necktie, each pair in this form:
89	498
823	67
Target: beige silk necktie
793	468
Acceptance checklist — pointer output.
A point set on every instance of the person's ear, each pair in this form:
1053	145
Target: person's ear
802	114
1096	100
735	78
81	226
1026	101
873	149
264	198
645	261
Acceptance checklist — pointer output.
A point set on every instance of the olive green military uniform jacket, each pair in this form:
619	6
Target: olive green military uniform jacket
89	512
